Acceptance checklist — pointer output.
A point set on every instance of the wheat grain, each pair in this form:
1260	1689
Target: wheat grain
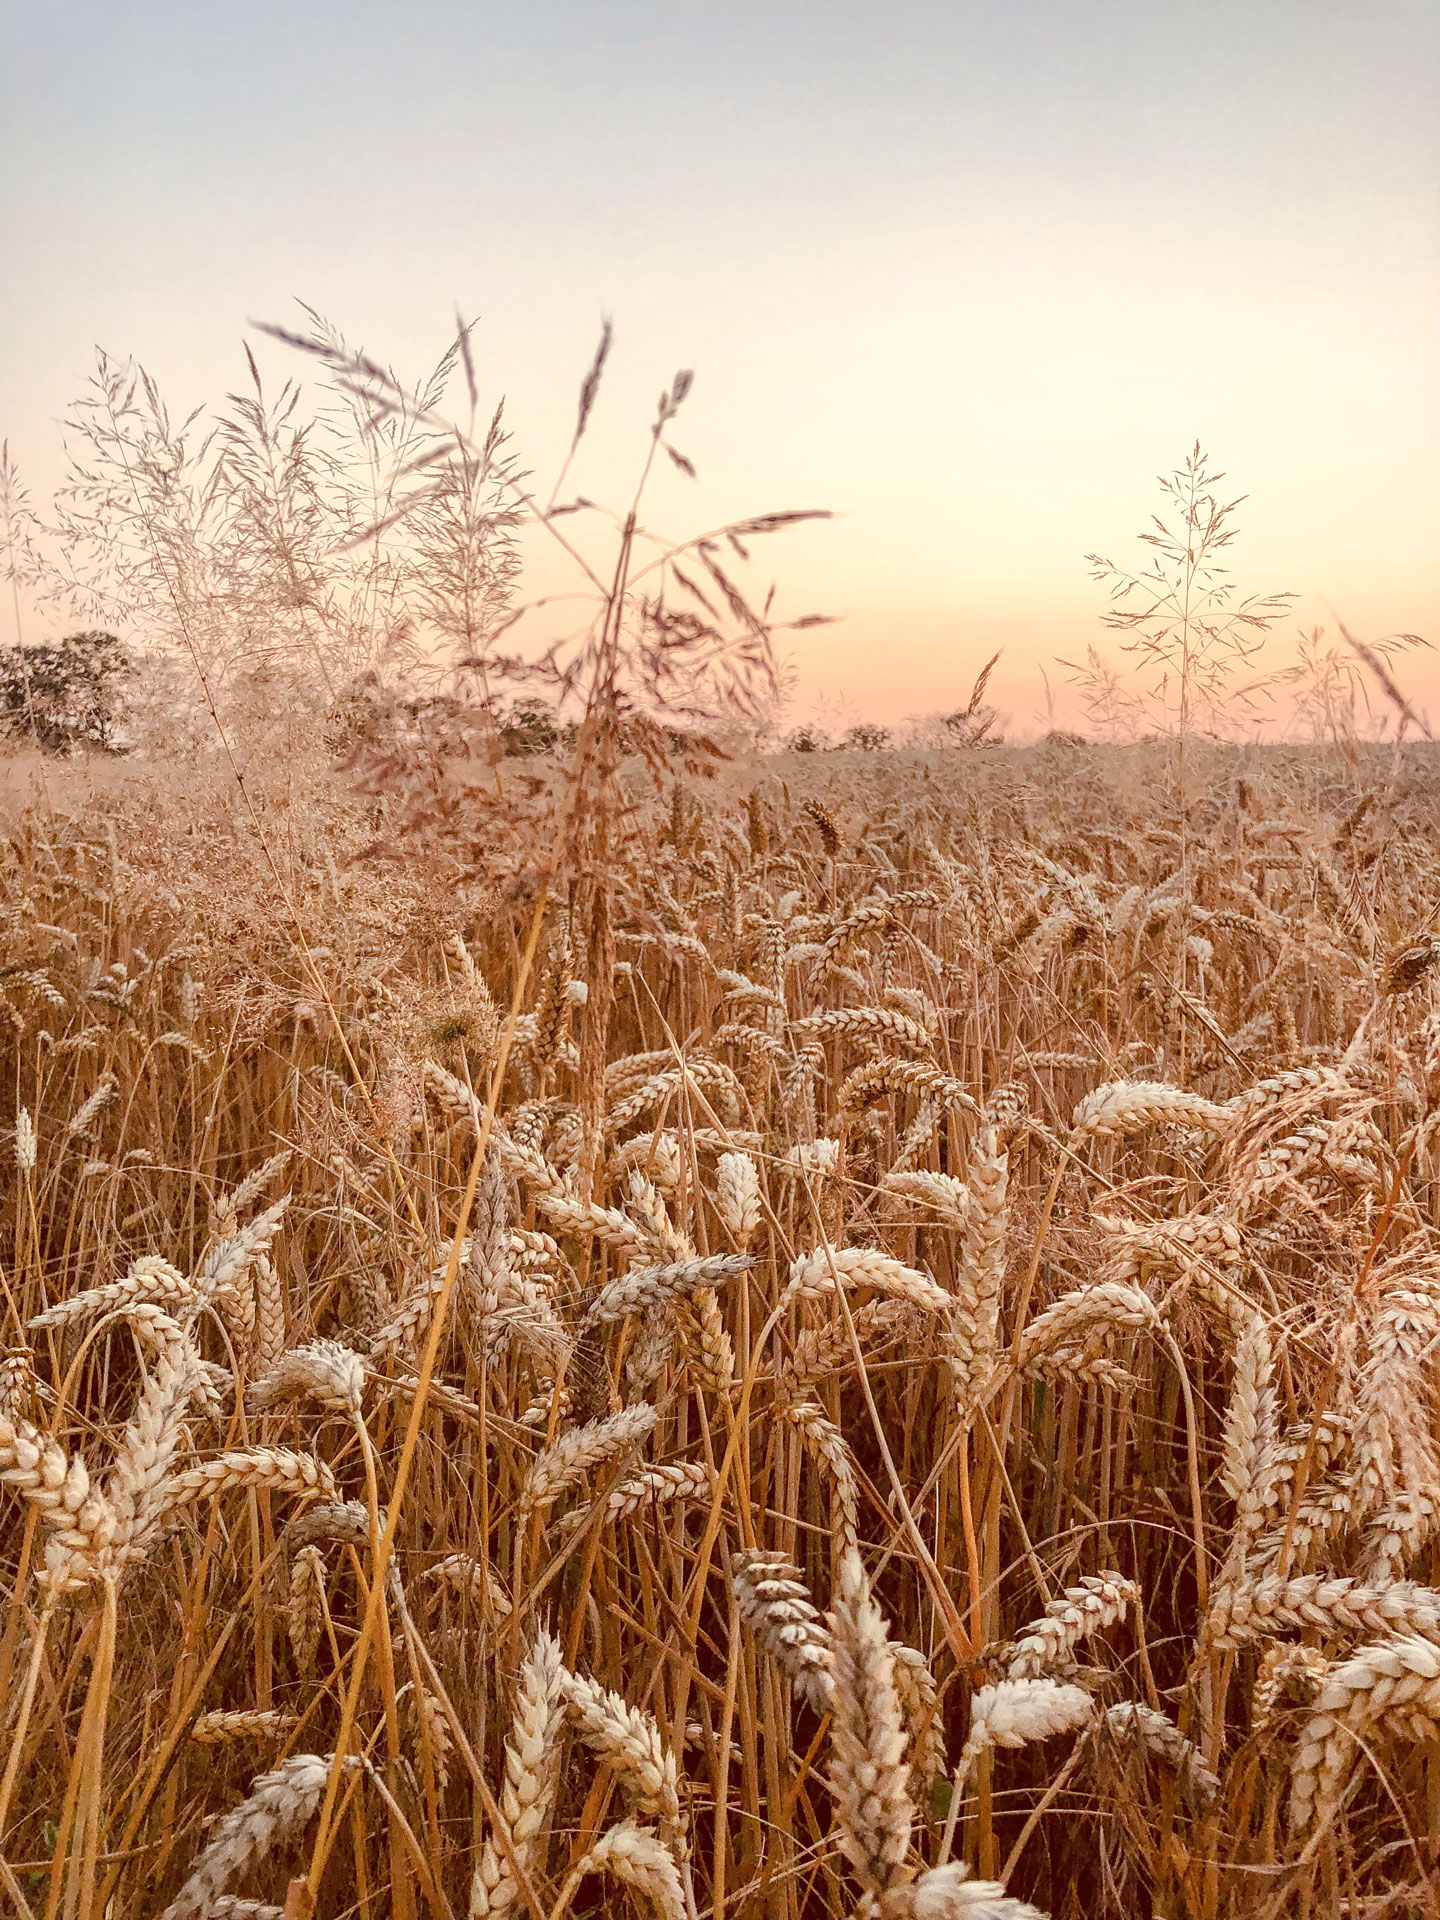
815	1275
325	1371
278	1469
629	1740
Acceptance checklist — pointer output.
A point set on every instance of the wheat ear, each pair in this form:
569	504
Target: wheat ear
1393	1687
868	1771
532	1763
774	1604
1050	1642
578	1453
630	1741
638	1859
1015	1712
279	1804
948	1893
246	1723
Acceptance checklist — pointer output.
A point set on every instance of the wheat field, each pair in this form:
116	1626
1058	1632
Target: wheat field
875	1356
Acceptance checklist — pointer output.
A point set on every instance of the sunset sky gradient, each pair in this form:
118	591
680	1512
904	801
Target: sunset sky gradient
969	274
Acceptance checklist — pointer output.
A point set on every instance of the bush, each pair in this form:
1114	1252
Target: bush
530	727
65	694
868	737
807	739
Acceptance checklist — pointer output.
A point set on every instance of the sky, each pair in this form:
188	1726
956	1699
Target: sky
970	275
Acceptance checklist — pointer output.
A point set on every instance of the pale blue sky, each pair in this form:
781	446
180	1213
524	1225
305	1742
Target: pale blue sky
971	274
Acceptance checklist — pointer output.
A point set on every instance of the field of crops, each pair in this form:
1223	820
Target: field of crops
865	1342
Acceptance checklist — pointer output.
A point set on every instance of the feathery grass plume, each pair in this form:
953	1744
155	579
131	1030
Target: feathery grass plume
326	1371
1012	1713
737	1196
644	1287
639	1859
305	1606
1097	1602
1390	1688
280	1804
973	1317
629	1740
575	1455
150	1279
532	1771
869	1776
1146	1730
1129	1106
246	1723
814	1275
775	1605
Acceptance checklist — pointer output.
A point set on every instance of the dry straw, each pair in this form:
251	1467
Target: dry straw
915	1180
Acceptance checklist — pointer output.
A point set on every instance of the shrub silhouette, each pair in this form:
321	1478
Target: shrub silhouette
65	694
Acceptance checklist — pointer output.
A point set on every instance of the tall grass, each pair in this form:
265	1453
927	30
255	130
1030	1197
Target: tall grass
869	1335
